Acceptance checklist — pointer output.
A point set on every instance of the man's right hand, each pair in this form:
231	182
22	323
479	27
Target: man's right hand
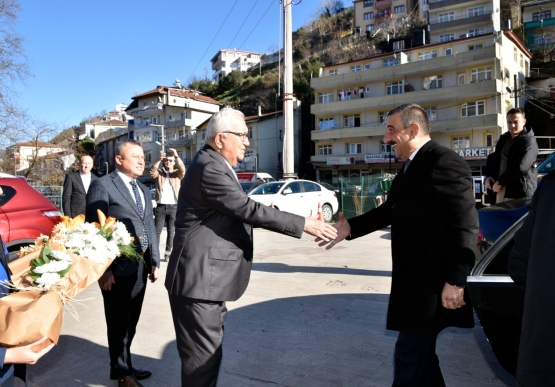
162	155
106	281
490	181
343	231
25	354
319	229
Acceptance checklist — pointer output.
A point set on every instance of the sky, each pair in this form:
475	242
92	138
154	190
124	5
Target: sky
88	55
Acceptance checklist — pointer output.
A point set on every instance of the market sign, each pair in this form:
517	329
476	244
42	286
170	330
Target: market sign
340	160
474	153
381	158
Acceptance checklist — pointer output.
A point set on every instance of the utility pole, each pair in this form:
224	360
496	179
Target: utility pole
288	98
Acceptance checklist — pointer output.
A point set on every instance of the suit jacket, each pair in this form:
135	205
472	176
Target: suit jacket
110	195
434	228
213	245
74	196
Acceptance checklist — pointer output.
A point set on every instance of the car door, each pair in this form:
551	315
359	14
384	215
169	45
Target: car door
293	201
497	301
312	196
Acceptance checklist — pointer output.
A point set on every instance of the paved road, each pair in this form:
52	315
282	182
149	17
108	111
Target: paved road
309	318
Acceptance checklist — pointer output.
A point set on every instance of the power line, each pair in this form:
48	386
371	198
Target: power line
258	22
214	38
244	21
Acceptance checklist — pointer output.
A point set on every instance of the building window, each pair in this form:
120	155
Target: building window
432	113
515	56
148	157
537	16
473	109
489	139
398	46
324	150
445	17
475	47
521	61
448	51
383	117
353	149
476	11
326	123
399	22
325	97
355	69
433	82
394	87
460	79
446	37
461	142
203	135
476	31
369	15
181	134
427	55
351	121
333	72
399	9
542	39
480	74
369	3
346	94
367	66
386	148
172	136
390	62
250	132
370	27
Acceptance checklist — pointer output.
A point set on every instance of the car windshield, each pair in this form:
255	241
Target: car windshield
547	165
268	188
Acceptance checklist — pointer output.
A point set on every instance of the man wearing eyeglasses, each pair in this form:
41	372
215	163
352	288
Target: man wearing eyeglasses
212	259
168	182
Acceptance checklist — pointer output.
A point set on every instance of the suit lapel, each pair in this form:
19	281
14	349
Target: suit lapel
404	178
218	157
80	181
120	185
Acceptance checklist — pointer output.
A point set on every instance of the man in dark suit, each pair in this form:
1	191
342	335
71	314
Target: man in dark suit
123	285
434	227
76	185
213	246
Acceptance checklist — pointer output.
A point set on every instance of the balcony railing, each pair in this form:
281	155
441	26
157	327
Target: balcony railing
382	3
446	3
539	23
460	21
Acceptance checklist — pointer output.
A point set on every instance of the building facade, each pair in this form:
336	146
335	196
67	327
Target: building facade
538	18
26	153
226	61
461	83
371	15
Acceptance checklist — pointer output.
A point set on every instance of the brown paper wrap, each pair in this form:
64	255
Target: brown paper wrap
31	315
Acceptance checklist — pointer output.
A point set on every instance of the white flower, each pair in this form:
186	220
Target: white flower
47	280
61	256
86	228
51	267
121	235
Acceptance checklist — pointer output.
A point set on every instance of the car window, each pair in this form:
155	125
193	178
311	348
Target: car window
547	165
310	187
269	188
295	187
6	193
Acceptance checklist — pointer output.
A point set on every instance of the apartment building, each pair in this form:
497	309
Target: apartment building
538	18
461	83
174	111
369	15
226	61
26	153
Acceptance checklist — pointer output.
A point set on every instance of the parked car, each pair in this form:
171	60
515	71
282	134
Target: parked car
25	214
249	186
497	301
299	197
546	166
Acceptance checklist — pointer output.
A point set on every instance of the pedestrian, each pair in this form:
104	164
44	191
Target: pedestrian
514	173
76	185
168	181
532	267
123	285
212	258
434	227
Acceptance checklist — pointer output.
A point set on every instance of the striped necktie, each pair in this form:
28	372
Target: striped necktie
139	201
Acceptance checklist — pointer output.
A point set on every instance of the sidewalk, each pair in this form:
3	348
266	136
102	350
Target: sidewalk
309	317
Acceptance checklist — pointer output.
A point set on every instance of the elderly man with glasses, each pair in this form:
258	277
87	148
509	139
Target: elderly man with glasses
168	182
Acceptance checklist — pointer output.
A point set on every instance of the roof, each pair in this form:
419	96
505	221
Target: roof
263	117
215	57
186	93
111	122
37	143
535	3
513	38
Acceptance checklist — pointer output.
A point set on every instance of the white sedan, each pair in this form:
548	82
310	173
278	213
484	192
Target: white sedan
299	197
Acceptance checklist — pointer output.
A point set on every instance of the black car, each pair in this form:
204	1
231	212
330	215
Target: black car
497	301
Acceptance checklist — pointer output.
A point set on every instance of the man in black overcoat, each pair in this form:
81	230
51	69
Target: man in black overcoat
434	227
76	185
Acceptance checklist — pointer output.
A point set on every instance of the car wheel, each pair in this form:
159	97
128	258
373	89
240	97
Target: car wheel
327	211
13	255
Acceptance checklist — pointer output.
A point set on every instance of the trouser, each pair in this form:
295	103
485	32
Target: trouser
122	308
199	330
166	212
416	362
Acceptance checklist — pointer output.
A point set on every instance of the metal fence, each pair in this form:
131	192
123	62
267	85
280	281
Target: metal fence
51	192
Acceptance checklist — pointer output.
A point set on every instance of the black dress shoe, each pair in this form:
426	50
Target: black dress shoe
129	381
141	374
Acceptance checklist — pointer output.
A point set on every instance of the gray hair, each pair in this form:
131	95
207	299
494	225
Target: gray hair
412	113
221	121
122	144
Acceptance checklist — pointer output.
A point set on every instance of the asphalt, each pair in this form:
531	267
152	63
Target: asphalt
309	317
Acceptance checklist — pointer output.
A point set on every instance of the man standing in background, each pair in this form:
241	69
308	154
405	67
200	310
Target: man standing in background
76	185
168	182
513	174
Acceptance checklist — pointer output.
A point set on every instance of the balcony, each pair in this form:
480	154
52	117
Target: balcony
179	142
437	5
457	22
350	132
177	123
379	4
539	23
386	102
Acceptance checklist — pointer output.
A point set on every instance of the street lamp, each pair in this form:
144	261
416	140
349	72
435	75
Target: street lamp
163	139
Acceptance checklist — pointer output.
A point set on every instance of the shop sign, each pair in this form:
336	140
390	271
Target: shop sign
381	158
474	153
340	160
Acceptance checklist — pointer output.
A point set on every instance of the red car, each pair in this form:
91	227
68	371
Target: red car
24	214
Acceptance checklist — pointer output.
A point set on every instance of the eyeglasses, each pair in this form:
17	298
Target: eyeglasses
242	136
168	161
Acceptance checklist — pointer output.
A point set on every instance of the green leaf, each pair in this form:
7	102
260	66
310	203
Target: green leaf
37	262
65	271
45	253
34	276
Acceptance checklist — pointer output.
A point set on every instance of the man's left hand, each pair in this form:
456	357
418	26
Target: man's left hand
452	297
153	276
497	187
319	229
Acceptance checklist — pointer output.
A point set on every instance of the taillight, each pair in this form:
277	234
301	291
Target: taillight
52	214
480	236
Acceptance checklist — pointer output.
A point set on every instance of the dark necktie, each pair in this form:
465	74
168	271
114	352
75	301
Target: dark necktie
407	163
144	237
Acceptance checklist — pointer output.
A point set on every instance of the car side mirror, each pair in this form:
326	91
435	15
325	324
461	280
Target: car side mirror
287	191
